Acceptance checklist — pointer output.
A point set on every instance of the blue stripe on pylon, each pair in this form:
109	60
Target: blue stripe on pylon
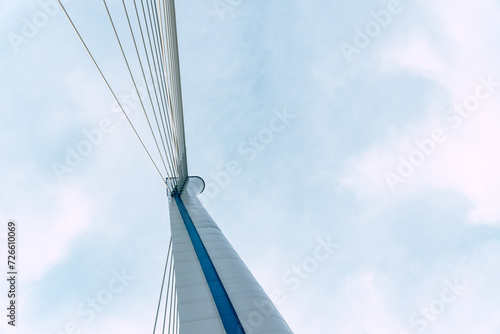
227	313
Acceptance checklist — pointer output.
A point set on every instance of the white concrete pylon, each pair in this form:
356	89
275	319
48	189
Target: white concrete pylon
216	291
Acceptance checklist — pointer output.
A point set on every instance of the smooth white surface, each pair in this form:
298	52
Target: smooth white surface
255	310
197	310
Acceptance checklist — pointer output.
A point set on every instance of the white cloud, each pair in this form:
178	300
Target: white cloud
53	232
365	308
466	162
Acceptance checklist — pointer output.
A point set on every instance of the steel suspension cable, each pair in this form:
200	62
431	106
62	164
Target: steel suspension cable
167	63
157	91
163	283
172	295
135	85
111	90
177	81
161	83
147	88
168	298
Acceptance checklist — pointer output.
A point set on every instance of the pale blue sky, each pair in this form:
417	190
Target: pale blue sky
324	175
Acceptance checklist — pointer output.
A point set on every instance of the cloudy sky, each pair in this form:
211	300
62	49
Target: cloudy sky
369	125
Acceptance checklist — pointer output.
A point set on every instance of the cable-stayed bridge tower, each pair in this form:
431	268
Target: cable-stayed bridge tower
206	287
